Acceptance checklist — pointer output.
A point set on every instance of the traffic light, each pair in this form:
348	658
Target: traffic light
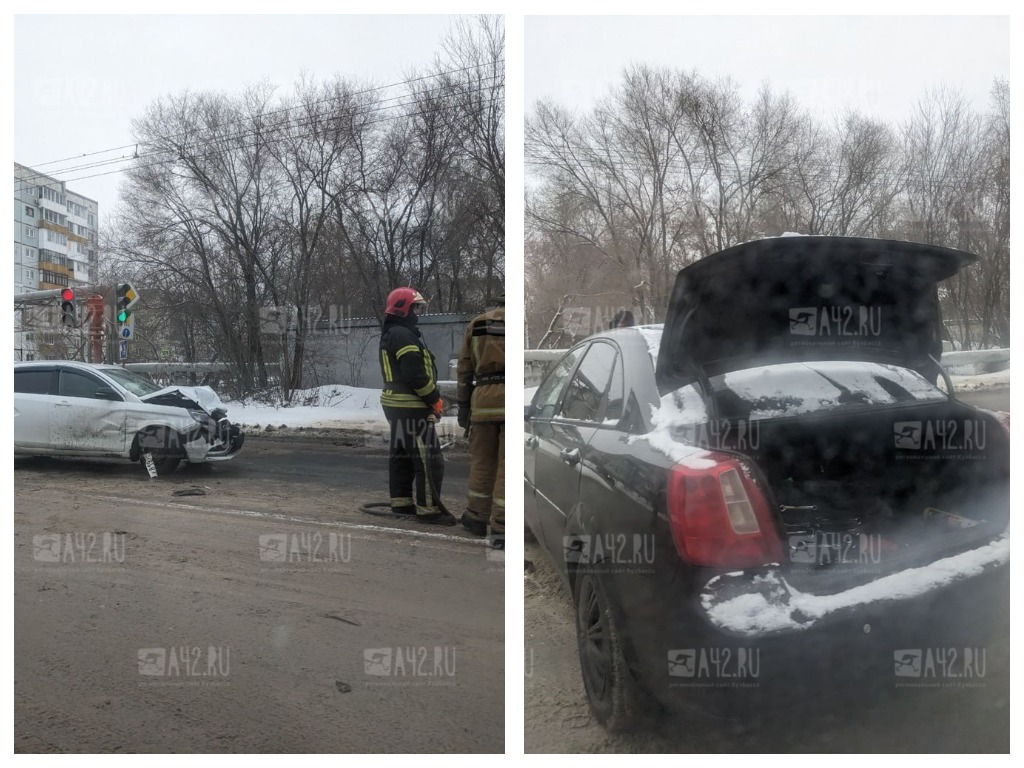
67	308
126	299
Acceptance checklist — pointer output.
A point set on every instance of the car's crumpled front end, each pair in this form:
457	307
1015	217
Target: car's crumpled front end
214	437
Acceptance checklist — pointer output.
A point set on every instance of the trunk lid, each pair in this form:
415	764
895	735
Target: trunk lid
792	299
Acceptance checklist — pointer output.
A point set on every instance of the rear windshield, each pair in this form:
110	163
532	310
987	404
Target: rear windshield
137	385
799	388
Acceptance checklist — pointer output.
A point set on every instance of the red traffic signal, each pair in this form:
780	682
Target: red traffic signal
67	308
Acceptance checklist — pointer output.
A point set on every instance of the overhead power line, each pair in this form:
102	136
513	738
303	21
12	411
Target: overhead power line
243	146
400	83
298	122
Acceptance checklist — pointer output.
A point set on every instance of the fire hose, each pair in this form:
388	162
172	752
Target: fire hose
384	509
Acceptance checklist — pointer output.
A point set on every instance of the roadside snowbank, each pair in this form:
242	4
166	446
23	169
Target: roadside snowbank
331	406
982	382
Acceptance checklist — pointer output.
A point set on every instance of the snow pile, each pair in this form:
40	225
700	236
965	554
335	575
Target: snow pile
328	406
976	361
982	382
777	606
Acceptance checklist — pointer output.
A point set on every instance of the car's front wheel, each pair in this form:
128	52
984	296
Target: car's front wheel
165	464
612	694
164	447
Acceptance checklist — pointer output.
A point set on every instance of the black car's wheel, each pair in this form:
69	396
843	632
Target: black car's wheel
611	691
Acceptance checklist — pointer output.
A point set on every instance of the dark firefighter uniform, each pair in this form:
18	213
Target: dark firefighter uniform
411	403
481	398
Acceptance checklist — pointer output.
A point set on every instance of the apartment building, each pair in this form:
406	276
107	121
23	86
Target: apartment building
56	244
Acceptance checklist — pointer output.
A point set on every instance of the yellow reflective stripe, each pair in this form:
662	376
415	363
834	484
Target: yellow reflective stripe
388	378
424	391
428	363
478	495
402	501
403	350
488	411
401	396
476	351
499	502
413	404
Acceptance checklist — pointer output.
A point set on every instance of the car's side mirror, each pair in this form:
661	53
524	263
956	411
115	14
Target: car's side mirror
106	393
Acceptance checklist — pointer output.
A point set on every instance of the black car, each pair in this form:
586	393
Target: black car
772	486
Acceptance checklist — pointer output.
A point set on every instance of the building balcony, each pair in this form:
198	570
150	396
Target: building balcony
44	224
60	269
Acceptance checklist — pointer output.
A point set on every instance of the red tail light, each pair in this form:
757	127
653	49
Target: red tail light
720	517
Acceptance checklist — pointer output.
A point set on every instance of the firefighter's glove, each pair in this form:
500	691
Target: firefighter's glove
438	408
464	415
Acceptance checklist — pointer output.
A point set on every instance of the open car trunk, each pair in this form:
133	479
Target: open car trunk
864	492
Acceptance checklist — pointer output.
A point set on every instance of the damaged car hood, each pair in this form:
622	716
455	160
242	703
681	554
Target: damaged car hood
792	299
186	397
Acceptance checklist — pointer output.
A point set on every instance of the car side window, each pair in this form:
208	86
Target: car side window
33	382
584	398
550	392
76	384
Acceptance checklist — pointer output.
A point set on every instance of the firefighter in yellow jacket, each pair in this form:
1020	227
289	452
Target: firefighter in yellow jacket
412	405
481	399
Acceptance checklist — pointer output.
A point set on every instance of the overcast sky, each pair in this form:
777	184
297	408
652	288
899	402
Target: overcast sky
880	64
80	96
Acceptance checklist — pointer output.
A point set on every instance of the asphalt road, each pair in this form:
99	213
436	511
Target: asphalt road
267	615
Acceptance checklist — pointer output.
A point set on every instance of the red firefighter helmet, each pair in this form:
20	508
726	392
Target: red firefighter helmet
401	300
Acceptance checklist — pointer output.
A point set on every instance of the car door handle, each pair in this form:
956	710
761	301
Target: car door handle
570	457
62	404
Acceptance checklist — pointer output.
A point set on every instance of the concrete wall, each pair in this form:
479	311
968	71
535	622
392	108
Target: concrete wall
349	352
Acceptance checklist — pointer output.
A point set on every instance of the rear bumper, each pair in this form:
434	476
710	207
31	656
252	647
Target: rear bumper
766	604
748	643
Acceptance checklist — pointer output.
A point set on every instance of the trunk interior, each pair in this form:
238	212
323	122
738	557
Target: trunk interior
861	494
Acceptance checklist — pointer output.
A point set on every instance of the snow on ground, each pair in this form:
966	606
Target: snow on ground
332	406
982	381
